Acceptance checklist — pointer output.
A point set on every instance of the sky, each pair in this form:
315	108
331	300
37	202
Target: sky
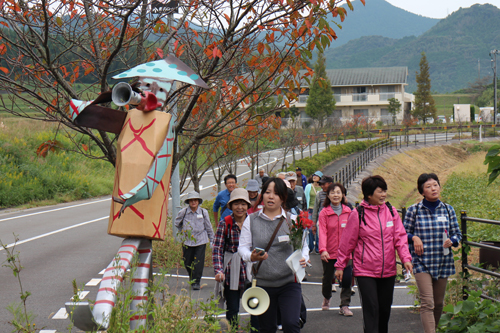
437	8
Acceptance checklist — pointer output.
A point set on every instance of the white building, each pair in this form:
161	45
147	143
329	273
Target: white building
365	92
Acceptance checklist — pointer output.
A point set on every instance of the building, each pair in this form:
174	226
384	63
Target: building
461	113
364	92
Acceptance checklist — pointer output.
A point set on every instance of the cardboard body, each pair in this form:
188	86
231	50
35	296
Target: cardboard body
140	140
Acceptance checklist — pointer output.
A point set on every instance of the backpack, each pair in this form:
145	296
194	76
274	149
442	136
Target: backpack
361	212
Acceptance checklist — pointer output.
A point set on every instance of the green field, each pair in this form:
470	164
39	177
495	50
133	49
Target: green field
444	102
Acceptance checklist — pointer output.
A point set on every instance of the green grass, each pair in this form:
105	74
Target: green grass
444	102
28	179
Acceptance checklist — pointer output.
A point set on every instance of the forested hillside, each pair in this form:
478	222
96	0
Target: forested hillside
453	47
378	17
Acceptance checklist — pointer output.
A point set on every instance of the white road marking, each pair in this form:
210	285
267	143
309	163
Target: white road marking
61	314
102	272
53	210
48	331
55	232
357	307
81	295
93	282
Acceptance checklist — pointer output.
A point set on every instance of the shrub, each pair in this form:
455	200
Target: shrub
311	164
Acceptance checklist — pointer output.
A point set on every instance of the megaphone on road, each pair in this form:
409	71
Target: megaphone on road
255	300
123	94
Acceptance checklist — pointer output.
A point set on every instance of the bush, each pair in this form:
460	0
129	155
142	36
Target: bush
311	164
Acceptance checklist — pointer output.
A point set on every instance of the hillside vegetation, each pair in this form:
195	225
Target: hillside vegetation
453	47
380	18
462	175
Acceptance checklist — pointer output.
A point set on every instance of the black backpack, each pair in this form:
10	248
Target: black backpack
361	212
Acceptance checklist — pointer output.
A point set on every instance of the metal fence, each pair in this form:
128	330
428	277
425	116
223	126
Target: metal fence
465	264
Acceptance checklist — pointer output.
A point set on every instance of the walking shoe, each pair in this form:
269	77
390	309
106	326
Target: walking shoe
334	289
326	304
345	311
280	328
195	286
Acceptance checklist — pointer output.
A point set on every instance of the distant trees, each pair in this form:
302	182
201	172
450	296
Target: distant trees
394	108
321	102
424	102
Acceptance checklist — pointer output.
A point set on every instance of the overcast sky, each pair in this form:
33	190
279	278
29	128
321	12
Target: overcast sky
437	8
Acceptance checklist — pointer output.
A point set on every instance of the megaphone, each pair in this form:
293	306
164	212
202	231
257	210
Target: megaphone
255	300
123	94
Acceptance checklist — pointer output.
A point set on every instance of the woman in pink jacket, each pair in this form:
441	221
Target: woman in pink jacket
374	232
331	224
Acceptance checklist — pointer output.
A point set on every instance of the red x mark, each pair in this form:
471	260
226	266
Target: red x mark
137	136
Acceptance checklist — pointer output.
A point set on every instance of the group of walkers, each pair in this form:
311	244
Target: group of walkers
354	243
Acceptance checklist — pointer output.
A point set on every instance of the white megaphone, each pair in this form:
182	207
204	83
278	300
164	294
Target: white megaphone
123	94
255	300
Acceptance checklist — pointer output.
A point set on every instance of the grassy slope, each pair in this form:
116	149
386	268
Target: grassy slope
402	170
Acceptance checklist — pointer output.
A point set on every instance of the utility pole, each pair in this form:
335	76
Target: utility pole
494	67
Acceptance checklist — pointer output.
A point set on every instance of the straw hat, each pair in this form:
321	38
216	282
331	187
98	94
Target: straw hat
193	195
238	194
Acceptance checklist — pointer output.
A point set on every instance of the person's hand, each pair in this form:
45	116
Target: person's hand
302	262
408	266
219	277
256	257
325	256
339	273
418	245
447	243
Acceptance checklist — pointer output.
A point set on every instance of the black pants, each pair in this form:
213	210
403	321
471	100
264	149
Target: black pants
287	298
328	272
233	308
376	301
194	260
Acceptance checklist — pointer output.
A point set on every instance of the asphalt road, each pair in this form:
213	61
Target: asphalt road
58	244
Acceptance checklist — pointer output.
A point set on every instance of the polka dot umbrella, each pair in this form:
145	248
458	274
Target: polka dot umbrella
169	68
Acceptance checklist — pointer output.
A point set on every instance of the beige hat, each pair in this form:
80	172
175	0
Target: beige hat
238	194
193	195
291	176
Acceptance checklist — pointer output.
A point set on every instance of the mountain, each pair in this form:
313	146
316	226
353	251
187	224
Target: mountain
453	47
378	17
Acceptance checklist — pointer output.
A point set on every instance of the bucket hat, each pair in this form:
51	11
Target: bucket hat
193	195
238	194
253	185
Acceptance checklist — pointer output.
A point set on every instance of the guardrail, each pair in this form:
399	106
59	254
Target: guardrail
465	264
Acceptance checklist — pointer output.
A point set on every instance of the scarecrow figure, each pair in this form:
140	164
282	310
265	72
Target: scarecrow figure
142	180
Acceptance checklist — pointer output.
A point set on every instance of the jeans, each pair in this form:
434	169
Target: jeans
328	272
288	299
376	300
431	300
194	261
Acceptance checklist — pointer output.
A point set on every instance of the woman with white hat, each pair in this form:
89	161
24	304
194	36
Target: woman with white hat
195	231
229	268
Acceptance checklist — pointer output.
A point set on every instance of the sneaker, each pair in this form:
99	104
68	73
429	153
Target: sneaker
195	286
345	311
334	289
280	328
326	304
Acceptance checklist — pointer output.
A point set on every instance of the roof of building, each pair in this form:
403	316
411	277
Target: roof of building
366	76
